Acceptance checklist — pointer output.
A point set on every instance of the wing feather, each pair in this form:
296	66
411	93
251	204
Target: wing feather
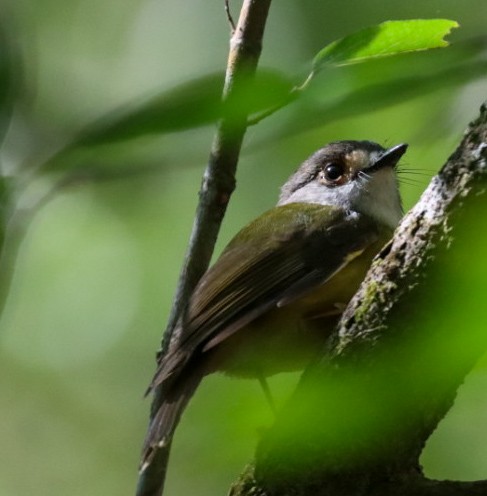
248	279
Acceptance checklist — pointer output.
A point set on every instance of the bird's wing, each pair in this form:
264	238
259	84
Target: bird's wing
267	265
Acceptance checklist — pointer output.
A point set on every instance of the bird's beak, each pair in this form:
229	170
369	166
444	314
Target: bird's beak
389	158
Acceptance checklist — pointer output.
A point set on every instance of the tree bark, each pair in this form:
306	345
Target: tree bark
361	415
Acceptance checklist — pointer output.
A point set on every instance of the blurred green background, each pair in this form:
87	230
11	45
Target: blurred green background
96	272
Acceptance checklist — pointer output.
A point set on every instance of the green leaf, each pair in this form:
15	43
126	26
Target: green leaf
385	39
186	106
192	104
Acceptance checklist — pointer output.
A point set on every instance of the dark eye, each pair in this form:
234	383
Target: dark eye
332	172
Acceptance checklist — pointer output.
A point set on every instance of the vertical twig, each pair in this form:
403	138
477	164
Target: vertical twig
219	178
229	16
217	186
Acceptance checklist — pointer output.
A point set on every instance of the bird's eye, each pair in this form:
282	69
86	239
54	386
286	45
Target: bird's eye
332	173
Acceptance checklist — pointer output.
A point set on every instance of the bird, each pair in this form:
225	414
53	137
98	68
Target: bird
274	295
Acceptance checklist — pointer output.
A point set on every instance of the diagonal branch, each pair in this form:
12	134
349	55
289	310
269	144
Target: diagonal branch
360	417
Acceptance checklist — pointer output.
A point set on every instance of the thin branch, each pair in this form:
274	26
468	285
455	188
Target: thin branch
219	178
217	186
229	16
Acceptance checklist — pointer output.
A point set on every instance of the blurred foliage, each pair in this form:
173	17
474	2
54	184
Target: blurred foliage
96	271
187	106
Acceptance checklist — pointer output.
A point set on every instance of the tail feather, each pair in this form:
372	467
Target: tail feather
157	444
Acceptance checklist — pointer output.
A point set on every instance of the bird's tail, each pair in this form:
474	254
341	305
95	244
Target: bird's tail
157	444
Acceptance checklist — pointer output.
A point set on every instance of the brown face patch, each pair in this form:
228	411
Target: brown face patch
356	161
344	168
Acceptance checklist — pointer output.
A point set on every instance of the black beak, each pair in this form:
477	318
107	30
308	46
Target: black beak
389	158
